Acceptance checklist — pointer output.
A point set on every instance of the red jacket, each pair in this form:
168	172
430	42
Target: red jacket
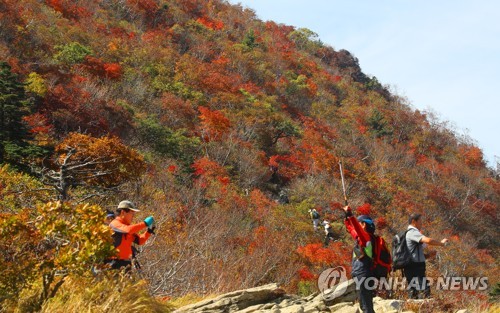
357	232
125	235
363	252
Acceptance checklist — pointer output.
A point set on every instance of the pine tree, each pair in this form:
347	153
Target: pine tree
14	105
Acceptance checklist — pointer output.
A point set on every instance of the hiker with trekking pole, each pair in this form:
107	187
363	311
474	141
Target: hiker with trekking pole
371	257
125	234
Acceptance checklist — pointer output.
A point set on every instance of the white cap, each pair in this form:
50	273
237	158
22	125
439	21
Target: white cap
125	204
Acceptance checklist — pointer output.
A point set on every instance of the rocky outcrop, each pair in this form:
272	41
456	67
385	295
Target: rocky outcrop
270	298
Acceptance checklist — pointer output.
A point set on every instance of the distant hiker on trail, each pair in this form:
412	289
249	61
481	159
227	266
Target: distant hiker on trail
328	232
415	270
125	234
362	263
315	218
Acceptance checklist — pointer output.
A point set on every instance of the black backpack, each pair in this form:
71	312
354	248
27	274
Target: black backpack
401	255
315	215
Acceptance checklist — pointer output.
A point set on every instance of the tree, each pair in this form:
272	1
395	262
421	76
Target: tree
14	105
102	163
48	244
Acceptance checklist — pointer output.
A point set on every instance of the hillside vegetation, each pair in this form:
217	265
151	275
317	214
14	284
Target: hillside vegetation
228	130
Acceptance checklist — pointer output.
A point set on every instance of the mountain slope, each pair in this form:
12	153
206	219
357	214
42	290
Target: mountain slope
242	124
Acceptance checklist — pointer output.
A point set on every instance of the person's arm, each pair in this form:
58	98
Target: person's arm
433	242
118	226
141	239
354	228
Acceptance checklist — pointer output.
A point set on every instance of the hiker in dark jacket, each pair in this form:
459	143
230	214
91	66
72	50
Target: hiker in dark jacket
415	271
360	230
315	216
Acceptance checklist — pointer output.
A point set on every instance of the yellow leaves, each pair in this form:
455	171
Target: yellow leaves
36	84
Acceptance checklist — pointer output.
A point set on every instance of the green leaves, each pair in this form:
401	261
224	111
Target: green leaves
72	53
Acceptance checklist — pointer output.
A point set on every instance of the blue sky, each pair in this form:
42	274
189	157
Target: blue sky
443	56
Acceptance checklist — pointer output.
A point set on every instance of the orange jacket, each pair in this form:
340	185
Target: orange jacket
125	235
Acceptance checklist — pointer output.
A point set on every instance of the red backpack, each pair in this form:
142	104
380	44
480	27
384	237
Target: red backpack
381	257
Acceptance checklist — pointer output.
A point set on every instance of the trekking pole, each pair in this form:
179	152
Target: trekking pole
343	182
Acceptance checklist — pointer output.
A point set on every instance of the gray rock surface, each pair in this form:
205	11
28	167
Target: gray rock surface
272	299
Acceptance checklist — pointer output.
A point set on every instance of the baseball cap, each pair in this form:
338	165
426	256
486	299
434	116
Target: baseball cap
365	218
125	204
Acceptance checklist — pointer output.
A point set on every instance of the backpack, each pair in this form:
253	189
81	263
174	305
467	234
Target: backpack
401	256
315	215
381	257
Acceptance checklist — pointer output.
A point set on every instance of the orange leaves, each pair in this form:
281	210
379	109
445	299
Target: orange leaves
98	67
208	168
261	203
472	156
104	161
209	23
214	124
316	254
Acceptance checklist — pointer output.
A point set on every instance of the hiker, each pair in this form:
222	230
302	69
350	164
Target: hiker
125	234
328	232
315	218
360	230
110	216
415	270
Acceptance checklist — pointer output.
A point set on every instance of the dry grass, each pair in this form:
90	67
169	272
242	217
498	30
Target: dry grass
109	294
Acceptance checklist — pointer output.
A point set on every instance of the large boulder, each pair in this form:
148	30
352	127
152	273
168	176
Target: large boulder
237	300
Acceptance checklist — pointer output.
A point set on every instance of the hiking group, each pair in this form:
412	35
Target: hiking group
329	235
372	258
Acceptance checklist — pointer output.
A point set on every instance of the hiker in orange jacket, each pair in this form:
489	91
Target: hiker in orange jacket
360	229
125	234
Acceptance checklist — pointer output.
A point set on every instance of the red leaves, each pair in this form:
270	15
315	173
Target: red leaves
286	166
99	68
209	23
365	209
305	274
38	124
315	253
381	223
213	124
68	9
208	168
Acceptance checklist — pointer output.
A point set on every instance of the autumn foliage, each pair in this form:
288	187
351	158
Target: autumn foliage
228	130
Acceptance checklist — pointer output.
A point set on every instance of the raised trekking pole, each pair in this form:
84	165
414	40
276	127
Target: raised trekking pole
343	182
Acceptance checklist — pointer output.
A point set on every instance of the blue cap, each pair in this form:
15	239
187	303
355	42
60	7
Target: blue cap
365	218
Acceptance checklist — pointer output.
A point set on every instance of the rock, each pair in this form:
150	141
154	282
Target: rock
463	311
237	300
387	306
344	292
253	308
296	308
345	307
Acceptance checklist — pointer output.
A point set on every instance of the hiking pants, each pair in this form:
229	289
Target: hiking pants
365	295
418	286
